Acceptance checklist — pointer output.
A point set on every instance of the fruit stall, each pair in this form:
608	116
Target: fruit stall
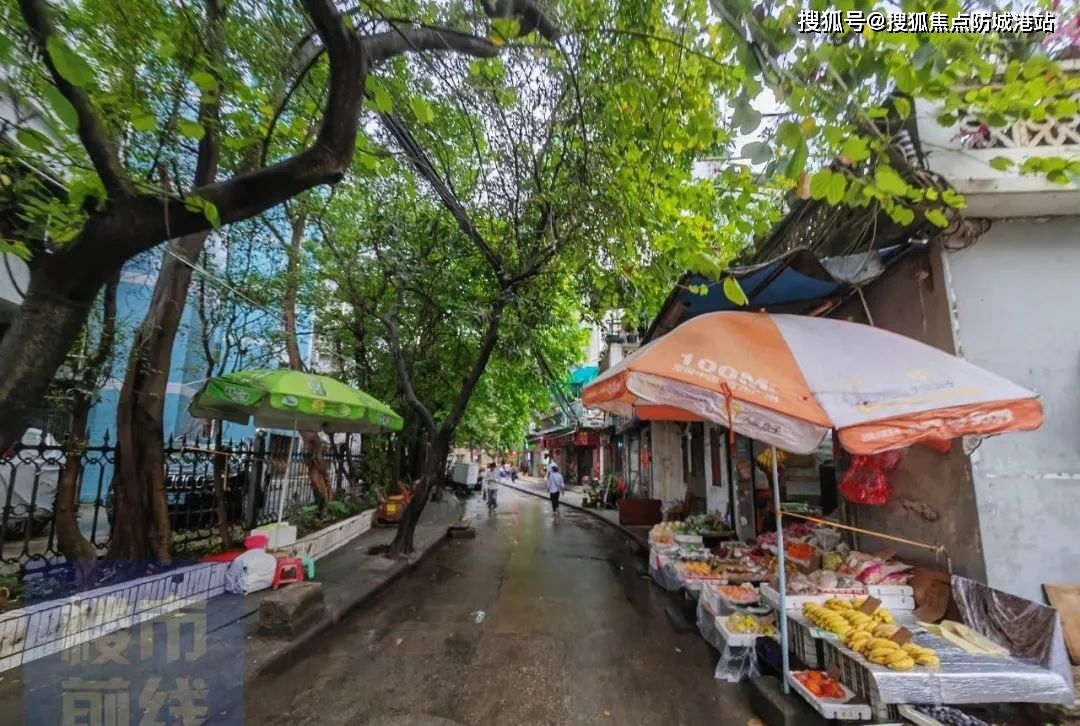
859	651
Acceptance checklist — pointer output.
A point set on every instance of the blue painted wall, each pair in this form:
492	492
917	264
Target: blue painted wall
188	366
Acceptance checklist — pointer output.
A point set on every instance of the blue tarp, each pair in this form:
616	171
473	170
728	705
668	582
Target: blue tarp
794	278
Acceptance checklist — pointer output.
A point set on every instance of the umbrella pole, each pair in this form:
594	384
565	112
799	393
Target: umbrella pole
286	485
781	566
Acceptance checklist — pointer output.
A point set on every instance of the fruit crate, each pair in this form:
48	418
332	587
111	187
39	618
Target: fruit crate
855	674
847	709
803	643
795	602
736	640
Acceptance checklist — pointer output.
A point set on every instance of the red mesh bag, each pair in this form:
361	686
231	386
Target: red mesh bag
866	480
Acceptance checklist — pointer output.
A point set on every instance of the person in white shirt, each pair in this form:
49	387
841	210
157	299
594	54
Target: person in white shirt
491	486
555	486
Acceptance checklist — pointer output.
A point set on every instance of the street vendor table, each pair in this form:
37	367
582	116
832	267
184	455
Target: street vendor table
962	678
664	572
807	641
738	656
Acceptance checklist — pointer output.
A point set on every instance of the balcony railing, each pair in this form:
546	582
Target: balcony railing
962	153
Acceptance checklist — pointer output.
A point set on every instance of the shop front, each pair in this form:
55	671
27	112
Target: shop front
577	453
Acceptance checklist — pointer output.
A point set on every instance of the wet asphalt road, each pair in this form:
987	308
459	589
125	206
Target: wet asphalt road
571	633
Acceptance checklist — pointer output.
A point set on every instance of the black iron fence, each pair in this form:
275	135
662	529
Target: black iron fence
259	480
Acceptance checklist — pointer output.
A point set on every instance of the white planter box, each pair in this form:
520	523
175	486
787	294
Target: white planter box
321	543
278	536
45	628
49	627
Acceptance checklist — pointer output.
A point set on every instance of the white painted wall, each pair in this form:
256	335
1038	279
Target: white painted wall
717	490
595	345
1016	297
668	463
10	284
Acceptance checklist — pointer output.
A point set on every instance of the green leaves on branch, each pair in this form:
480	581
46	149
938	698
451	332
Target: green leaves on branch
33	140
855	149
422	110
504	29
757	152
887	180
378	97
828	185
206	207
16	248
191	129
745	117
61	107
733	291
68	64
205	81
937	217
143	122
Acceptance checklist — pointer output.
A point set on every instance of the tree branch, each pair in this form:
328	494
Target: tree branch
107	339
92	132
423	166
140	222
389	321
487	346
417	39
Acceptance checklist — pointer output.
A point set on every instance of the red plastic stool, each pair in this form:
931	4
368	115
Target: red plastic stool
289	569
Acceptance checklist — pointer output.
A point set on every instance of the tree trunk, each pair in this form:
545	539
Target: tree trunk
316	463
48	323
433	474
141	529
73	546
69	539
221	469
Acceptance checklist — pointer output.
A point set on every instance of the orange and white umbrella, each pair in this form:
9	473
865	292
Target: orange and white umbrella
786	380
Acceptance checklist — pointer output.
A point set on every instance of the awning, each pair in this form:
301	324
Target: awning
573	438
584	375
791	283
549	433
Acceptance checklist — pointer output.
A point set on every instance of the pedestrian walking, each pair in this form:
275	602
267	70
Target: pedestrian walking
555	486
491	487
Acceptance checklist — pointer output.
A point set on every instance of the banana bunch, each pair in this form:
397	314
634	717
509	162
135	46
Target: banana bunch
877	648
740	623
843	617
826	618
765	458
880	615
923	656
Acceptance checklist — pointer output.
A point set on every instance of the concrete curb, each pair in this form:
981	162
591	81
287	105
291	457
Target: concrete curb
295	649
591	512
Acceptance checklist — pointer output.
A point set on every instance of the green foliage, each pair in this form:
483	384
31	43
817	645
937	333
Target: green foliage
733	291
836	95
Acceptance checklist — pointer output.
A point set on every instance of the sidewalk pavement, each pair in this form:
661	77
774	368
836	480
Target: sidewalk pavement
574	498
350	577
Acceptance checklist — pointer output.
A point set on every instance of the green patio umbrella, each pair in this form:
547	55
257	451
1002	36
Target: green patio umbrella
288	399
285	399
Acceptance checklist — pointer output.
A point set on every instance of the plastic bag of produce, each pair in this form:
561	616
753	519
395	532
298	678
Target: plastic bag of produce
865	482
825	579
885	573
832	561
